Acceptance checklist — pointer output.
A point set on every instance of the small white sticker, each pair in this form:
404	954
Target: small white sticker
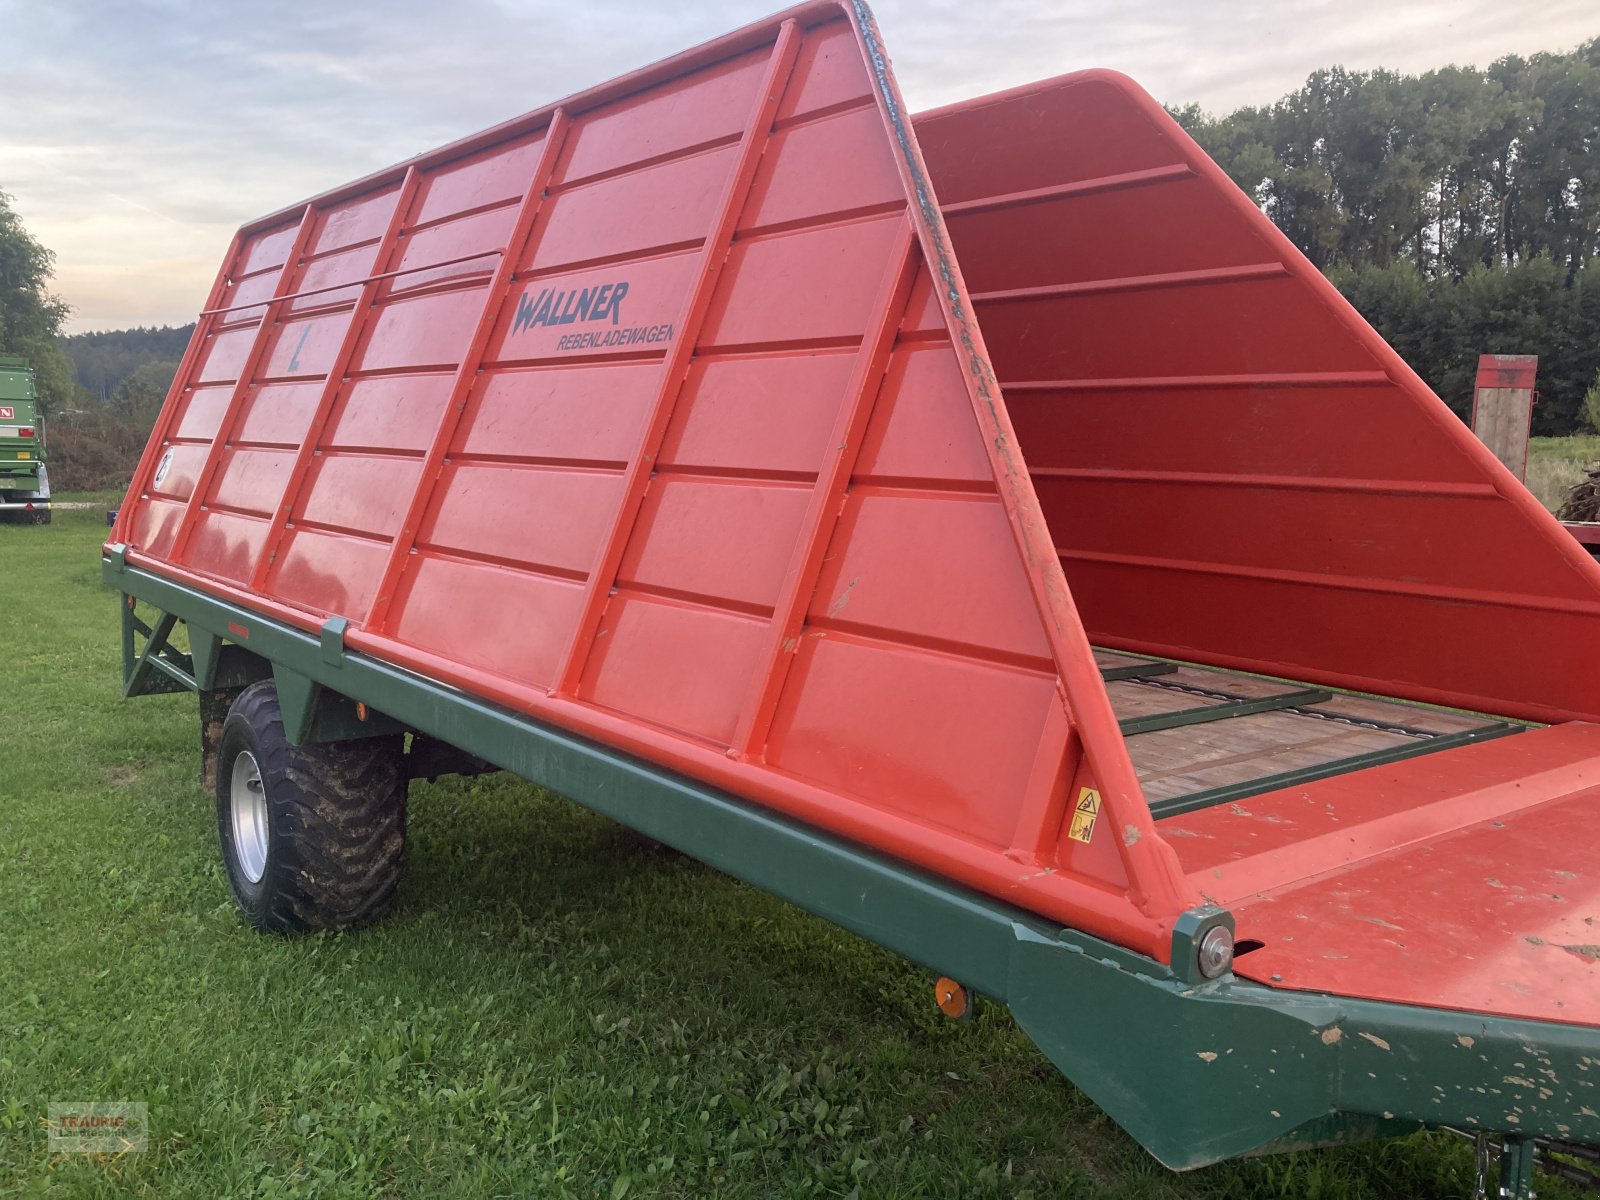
162	469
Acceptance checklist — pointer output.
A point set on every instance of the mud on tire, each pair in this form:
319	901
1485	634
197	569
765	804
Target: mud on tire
312	836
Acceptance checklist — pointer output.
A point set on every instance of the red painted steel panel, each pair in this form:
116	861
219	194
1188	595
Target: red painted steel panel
355	221
931	735
924	313
222	356
1165	213
669	204
155	524
424	331
830	165
1235	467
1507	370
695	477
389	412
1193	519
488	617
229	544
304	347
752	524
828	73
479	506
923	429
477	239
709	105
201	414
677	665
1460	880
498	175
277	414
815	285
590	312
563	414
245	299
359	493
757	415
324	275
1084	428
265	250
182	469
329	572
251	479
957	582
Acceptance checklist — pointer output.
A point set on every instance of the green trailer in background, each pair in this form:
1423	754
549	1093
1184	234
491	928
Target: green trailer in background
24	479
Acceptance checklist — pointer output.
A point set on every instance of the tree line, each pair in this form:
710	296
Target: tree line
119	368
1458	210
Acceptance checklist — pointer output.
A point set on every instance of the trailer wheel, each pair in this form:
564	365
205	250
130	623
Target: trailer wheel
312	836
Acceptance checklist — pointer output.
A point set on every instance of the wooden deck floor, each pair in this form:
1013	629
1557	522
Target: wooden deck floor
1201	736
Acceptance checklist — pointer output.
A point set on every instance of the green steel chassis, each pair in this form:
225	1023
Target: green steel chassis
1196	1070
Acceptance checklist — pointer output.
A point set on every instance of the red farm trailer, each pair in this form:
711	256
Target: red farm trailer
983	529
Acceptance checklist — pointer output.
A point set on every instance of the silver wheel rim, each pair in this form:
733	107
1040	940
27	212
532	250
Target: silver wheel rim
247	800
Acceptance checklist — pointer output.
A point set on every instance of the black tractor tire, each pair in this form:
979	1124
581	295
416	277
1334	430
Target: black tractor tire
334	827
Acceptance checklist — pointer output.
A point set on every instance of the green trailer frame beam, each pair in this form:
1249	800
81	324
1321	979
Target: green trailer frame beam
1221	712
1137	671
1178	1061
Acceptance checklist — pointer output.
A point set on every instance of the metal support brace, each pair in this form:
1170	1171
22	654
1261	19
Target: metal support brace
159	666
1517	1157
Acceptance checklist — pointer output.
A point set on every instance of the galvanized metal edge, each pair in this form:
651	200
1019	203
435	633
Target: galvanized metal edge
1197	1073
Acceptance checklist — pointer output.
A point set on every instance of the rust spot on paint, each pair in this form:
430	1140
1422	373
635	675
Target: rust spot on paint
1130	835
1592	953
1376	1040
1207	1055
1466	1041
1330	1036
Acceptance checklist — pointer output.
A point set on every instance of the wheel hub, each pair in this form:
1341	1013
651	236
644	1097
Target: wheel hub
247	803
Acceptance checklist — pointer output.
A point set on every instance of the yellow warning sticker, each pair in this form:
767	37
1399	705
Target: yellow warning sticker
1085	815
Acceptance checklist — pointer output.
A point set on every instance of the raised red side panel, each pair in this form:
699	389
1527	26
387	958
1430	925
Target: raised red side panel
643	415
1234	467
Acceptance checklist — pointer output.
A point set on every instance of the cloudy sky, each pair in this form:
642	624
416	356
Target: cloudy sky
135	135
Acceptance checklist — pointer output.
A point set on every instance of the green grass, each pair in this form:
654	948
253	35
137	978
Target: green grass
552	1011
107	499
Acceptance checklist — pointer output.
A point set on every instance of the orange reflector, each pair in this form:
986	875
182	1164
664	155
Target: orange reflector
361	710
954	1000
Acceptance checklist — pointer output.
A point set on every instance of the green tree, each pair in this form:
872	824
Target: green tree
1591	403
1458	210
30	317
138	397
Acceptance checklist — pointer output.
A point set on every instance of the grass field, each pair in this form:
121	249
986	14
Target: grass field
553	1010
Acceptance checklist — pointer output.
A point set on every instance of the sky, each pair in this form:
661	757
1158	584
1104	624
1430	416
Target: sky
136	135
